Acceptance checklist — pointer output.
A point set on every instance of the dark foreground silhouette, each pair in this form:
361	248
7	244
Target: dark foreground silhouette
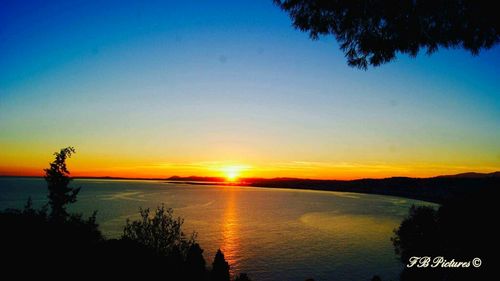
40	246
55	244
462	229
52	243
374	32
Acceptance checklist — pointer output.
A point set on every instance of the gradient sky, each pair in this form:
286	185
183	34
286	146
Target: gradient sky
150	89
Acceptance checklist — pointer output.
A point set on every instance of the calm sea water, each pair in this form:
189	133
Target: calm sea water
272	234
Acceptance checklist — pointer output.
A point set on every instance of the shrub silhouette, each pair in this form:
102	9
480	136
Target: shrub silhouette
460	229
416	234
161	232
44	246
373	32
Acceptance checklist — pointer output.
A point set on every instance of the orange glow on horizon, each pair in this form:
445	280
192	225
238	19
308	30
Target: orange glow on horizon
85	165
236	176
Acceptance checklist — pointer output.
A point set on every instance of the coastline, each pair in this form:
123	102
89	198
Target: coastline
435	190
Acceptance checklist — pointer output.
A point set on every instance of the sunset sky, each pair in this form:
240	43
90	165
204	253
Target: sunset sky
210	88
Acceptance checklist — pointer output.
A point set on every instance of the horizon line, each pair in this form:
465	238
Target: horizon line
186	178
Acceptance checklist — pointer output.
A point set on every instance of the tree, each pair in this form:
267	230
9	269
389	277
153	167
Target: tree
58	179
461	229
418	234
220	268
373	32
195	263
161	232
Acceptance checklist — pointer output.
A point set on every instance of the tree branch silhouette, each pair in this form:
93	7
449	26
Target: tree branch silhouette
373	32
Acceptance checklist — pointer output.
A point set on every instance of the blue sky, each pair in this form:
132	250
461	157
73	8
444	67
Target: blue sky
153	82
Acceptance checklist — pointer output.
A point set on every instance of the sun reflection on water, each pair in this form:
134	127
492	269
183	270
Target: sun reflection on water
230	233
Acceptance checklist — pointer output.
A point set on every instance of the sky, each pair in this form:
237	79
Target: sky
159	88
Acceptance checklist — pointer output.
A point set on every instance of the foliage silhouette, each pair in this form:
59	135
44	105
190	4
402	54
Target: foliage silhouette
220	268
460	229
33	239
373	32
58	179
416	234
47	247
161	232
195	263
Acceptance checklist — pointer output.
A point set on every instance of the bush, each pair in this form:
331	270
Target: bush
461	229
44	246
161	232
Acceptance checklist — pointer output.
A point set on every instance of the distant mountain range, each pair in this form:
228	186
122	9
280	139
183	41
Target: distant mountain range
472	175
221	179
434	189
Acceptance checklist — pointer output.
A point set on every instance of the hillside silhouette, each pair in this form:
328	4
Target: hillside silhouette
436	189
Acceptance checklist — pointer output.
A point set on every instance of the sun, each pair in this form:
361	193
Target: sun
232	173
